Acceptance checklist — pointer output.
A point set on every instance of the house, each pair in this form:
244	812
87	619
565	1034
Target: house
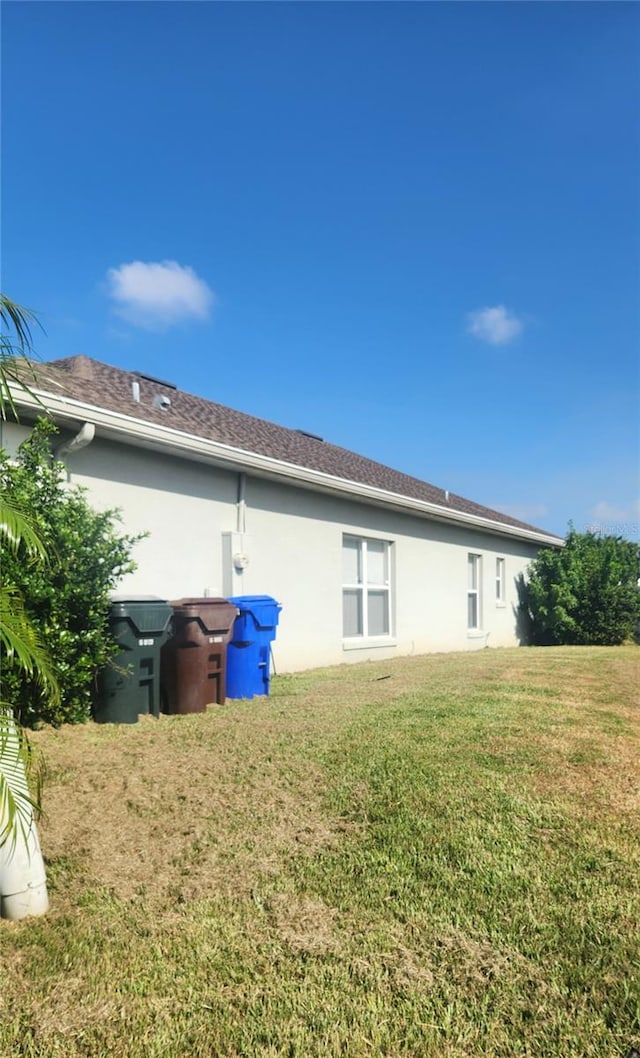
367	562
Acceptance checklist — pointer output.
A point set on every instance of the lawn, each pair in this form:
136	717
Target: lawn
431	857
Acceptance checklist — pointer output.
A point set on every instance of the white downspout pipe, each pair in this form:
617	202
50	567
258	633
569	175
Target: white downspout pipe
23	881
241	511
83	438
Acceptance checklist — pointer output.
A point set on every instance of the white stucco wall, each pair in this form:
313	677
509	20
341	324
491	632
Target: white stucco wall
293	542
184	507
12	435
295	550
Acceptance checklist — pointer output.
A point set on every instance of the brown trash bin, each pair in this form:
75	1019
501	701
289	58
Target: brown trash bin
194	660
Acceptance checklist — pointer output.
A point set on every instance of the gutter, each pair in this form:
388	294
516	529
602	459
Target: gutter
122	427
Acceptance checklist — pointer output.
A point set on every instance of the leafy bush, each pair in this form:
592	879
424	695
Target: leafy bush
67	599
586	594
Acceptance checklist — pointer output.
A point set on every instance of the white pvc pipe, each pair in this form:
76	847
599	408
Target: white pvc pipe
23	880
241	508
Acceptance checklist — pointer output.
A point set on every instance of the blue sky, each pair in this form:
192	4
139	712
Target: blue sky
411	228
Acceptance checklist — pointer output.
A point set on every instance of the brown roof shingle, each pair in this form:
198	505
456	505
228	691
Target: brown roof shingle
88	380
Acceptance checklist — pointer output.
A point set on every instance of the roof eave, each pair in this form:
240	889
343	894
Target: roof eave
118	426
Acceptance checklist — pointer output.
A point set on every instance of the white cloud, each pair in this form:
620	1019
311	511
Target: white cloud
158	294
604	509
616	519
495	325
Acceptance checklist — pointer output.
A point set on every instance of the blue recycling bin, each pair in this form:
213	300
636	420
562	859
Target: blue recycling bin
249	650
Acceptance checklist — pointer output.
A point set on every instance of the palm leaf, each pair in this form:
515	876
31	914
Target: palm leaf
19	640
13	370
19	319
16	531
17	807
15	349
21	643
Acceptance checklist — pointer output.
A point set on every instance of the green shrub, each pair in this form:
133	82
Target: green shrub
67	599
586	594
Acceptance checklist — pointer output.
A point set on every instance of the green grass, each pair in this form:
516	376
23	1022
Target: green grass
442	863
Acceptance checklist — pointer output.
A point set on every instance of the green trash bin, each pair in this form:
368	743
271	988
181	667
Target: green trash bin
130	684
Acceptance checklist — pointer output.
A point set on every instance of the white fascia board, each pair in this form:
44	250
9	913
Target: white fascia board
139	432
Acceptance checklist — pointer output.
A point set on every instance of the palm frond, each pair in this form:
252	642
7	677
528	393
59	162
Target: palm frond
21	644
16	347
20	320
17	807
16	531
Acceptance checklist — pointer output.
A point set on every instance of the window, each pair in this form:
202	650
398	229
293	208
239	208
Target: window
500	582
366	589
474	595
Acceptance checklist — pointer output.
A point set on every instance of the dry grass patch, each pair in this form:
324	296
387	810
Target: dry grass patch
177	809
433	857
587	751
304	924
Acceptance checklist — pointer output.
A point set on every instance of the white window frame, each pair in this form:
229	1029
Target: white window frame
474	590
501	581
364	588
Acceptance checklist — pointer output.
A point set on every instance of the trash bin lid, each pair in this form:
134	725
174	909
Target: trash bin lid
215	615
204	600
244	602
119	600
149	613
263	608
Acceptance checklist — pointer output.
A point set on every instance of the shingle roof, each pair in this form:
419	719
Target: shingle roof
82	378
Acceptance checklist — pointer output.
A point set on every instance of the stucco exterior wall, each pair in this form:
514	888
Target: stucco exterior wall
293	542
295	551
183	507
12	435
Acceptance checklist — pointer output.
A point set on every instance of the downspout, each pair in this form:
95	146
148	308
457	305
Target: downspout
83	438
241	506
239	557
23	882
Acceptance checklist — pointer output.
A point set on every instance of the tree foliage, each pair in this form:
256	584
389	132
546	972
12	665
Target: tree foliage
587	593
66	599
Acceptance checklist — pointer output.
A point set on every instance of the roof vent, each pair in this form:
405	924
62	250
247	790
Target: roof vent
157	381
313	436
161	401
